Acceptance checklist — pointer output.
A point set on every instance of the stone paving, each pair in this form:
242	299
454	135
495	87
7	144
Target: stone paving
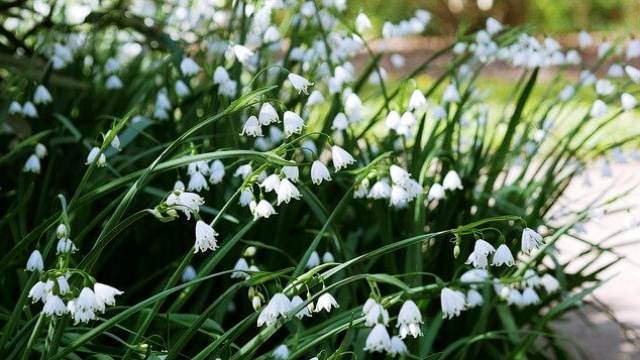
598	335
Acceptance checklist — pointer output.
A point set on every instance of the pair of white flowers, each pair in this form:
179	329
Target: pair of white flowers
481	251
32	164
280	306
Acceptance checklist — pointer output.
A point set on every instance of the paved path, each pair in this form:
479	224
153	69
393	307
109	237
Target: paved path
599	336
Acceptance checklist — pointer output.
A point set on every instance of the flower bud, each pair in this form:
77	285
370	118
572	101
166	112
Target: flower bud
61	231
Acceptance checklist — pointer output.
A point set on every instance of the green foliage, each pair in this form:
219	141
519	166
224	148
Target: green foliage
130	236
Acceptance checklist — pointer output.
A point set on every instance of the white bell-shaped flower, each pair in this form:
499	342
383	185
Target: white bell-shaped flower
319	172
452	302
530	241
326	302
378	340
293	123
35	262
105	296
205	237
42	95
503	256
409	320
341	159
299	83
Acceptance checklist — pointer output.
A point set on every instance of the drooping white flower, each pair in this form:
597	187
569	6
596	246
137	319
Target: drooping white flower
478	259
197	182
399	197
220	75
65	246
315	98
188	67
113	83
327	257
314	260
32	164
397	347
54	306
628	101
182	89
187	202
293	123
452	302
105	295
503	256
35	262
604	87
268	114
93	154
549	283
205	237
392	121
340	122
450	94
291	172
29	110
436	192
216	171
263	209
531	240
252	127
380	190
246	197
376	314
353	108
271	183
417	100
474	298
278	306
287	191
633	49
633	73
378	339
362	189
529	296
299	83
15	108
240	269
189	273
409	320
243	171
61	231
42	95
319	172
483	247
514	297
326	302
341	159
493	26
362	23
584	39
452	181
179	186
111	66
39	292
531	278
86	299
599	108
281	352
242	54
296	302
63	285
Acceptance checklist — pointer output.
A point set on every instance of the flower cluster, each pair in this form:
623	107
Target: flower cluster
67	291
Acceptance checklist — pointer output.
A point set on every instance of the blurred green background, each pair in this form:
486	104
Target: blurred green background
547	16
